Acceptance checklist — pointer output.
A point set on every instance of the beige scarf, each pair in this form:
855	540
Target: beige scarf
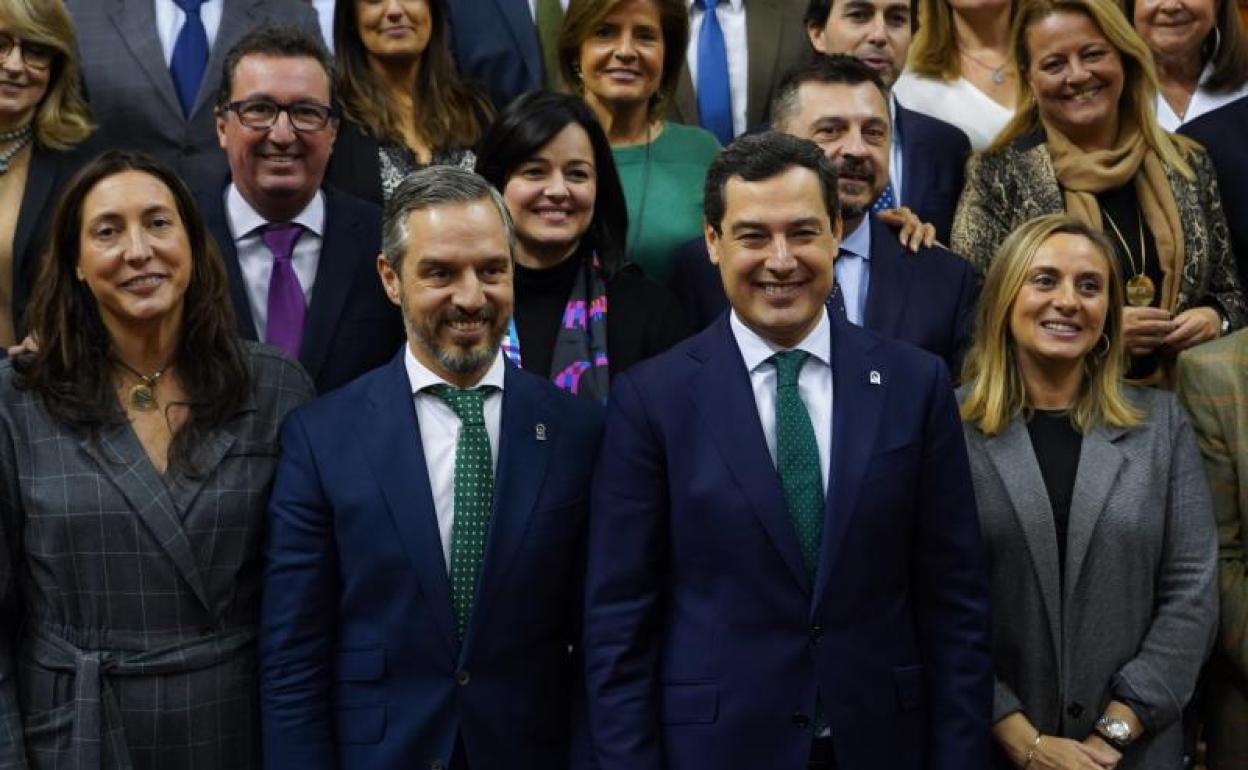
1084	174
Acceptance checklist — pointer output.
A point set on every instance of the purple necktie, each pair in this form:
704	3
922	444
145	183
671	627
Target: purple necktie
287	308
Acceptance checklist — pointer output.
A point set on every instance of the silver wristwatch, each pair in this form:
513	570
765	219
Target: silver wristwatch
1115	731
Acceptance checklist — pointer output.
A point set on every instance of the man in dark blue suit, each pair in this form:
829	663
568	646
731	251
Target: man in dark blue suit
299	256
425	553
928	157
785	561
926	298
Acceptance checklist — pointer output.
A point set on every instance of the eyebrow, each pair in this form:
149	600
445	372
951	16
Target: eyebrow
803	222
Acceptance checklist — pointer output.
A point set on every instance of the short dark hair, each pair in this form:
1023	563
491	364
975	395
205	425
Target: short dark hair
280	41
838	68
72	370
817	12
757	157
524	127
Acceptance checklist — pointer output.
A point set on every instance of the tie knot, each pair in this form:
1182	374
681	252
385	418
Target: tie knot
281	239
709	5
788	365
467	404
191	7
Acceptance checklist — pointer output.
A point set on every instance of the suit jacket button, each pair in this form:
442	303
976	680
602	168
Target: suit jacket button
1074	710
801	720
816	634
462	678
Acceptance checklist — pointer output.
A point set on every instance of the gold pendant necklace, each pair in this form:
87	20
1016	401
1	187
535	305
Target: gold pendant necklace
142	395
1140	288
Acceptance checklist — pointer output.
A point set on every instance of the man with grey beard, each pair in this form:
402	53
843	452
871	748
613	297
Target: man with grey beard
426	544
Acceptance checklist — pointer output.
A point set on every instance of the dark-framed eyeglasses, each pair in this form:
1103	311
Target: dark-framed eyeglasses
34	55
262	114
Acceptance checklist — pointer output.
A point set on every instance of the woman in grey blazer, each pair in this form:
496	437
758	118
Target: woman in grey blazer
1095	511
137	449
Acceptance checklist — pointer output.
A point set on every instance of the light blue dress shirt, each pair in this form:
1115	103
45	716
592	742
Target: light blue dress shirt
853	271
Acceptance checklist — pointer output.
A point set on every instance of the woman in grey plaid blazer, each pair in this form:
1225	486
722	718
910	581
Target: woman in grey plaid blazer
137	448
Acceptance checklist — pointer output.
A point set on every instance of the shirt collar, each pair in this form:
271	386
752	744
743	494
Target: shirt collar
858	242
755	350
420	376
245	220
736	4
892	118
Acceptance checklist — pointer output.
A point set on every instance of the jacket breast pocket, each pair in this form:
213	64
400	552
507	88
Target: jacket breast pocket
690	704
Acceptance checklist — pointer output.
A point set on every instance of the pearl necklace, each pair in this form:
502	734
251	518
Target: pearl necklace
20	137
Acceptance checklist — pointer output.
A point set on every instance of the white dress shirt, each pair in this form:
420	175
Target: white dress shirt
170	18
439	434
731	15
325	16
1202	102
853	271
255	261
814	383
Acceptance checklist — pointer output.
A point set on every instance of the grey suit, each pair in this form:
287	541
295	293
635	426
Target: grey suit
775	38
128	600
1135	609
131	91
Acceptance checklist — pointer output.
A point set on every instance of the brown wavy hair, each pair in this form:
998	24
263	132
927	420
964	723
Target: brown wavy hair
451	114
62	119
73	369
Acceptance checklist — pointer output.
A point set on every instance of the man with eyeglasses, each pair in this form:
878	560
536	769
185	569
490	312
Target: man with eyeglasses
299	255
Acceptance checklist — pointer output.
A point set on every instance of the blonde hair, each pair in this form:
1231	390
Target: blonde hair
1139	90
62	119
934	50
996	393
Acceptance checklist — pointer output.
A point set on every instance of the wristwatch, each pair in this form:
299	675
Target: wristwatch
1115	731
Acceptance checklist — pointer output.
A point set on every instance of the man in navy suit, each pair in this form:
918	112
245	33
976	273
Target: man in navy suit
425	554
926	298
299	256
784	558
928	156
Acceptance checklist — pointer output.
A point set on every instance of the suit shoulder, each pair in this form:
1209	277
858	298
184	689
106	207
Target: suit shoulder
937	130
945	262
341	200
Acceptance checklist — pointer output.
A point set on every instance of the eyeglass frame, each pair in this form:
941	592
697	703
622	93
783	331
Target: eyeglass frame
23	47
331	114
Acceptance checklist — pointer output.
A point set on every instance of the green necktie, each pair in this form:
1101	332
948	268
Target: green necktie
474	496
797	457
549	17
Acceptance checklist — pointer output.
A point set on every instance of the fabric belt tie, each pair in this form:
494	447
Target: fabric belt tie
97	713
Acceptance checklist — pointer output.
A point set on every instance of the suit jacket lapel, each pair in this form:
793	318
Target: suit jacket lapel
889	287
856	408
38	189
519	20
216	219
914	160
1099	461
522	461
391	436
122	459
135	21
762	39
335	273
238	18
723	388
1015	460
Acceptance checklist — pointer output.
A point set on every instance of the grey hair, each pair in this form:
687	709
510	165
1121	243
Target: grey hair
435	186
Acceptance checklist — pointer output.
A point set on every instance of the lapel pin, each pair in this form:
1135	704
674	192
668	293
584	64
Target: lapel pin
874	377
539	431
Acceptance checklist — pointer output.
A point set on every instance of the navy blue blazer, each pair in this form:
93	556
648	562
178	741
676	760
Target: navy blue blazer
933	167
352	326
360	668
495	42
1222	133
707	643
927	298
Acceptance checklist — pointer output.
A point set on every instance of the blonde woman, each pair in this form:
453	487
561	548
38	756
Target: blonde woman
1095	512
1085	142
958	67
43	121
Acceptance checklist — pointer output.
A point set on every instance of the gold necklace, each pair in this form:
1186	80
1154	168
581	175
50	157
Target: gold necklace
142	395
1140	288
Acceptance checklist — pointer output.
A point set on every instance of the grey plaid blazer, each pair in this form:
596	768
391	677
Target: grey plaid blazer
128	601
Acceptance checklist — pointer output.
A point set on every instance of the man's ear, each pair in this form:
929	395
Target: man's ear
390	280
713	242
814	33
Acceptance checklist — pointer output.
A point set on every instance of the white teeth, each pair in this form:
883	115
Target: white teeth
1060	326
144	281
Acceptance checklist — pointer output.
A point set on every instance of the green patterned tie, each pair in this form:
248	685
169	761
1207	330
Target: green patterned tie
797	457
474	496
